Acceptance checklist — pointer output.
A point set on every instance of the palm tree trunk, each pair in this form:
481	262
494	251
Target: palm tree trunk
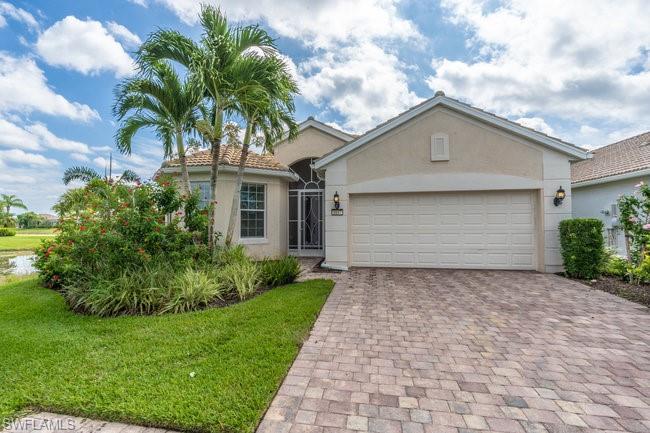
214	174
234	208
185	175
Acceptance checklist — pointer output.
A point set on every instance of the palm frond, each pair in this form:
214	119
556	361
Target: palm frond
84	174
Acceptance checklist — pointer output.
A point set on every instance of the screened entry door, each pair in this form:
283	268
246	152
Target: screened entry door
306	222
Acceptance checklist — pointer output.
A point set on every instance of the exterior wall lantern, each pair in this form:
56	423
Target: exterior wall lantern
336	210
559	197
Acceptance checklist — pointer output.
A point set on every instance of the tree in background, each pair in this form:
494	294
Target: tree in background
7	201
30	220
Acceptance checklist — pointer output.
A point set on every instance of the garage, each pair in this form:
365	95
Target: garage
471	230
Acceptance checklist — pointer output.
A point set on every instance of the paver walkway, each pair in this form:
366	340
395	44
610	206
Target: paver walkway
413	351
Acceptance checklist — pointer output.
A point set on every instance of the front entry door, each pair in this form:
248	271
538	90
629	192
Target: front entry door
306	222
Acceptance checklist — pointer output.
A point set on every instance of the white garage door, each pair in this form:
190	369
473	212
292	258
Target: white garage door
472	230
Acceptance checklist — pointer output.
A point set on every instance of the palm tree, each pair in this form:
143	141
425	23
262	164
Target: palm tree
268	110
86	174
9	200
213	63
158	100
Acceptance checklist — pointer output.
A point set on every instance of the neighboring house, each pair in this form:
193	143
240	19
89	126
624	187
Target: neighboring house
442	185
49	220
611	171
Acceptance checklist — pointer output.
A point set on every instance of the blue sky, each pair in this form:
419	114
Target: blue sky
578	70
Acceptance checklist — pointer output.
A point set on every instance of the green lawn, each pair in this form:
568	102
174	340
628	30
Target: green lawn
49	231
25	239
137	369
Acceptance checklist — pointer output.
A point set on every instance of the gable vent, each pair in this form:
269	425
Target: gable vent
440	147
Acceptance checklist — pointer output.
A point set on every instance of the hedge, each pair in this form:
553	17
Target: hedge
583	247
6	231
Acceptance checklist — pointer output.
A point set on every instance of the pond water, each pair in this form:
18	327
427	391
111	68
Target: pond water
17	263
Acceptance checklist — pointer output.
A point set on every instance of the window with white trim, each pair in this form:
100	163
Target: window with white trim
252	204
440	147
204	192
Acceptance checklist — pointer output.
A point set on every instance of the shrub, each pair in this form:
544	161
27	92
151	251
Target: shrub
582	244
131	292
243	277
227	255
280	272
641	273
6	231
615	266
106	228
635	220
190	290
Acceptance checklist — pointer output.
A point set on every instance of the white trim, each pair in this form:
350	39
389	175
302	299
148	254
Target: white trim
313	123
232	169
488	118
444	182
255	239
623	176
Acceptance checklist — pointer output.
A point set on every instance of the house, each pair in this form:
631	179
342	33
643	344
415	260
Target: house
611	171
442	185
49	220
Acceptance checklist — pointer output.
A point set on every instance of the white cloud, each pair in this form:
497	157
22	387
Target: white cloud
320	24
21	157
536	123
351	70
36	136
16	179
85	46
142	3
53	142
14	136
363	83
551	58
125	35
24	89
18	14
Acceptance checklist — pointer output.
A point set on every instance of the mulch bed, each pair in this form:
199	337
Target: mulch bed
614	285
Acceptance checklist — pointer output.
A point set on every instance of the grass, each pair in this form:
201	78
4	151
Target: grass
25	239
138	369
41	231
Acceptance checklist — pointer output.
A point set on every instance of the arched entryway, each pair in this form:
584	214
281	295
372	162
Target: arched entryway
306	215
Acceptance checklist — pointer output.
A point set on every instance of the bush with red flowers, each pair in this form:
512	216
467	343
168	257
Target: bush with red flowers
109	228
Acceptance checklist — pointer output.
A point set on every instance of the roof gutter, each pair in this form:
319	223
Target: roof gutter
601	180
233	169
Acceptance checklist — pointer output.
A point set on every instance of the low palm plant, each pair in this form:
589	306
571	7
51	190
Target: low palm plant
243	278
191	290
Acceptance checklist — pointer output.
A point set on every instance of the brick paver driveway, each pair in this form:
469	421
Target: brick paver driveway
460	351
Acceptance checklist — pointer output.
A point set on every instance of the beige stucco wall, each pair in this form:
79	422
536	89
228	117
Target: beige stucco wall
481	157
310	143
275	242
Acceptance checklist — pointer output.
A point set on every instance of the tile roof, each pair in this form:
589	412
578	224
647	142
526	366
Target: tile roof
625	156
230	155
